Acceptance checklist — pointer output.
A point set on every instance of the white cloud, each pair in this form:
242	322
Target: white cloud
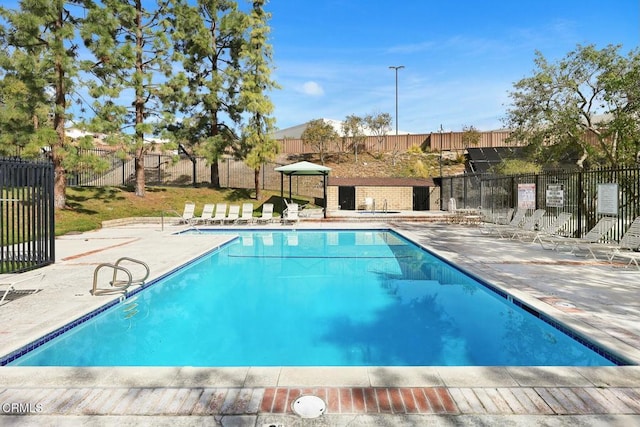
312	89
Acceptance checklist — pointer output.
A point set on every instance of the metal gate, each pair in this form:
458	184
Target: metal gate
27	225
347	198
420	198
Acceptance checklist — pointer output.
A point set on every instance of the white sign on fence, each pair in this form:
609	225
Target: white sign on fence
527	196
607	203
555	195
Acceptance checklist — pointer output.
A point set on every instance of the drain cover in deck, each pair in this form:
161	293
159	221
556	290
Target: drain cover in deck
309	406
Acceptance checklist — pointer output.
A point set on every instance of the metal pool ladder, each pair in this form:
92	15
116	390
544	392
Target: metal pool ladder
118	285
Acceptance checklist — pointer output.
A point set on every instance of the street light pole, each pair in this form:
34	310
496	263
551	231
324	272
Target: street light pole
396	68
441	179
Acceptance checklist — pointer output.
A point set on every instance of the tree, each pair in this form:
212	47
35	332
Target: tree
319	134
515	167
256	80
470	136
39	59
208	40
379	124
132	54
353	129
587	104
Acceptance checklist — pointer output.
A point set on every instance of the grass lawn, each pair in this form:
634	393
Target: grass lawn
89	206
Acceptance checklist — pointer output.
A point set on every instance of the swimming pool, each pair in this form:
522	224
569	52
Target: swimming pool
316	298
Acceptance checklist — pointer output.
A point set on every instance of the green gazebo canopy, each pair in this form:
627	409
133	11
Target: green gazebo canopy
305	169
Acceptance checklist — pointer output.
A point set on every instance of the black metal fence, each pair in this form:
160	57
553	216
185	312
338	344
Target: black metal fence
588	195
180	170
27	227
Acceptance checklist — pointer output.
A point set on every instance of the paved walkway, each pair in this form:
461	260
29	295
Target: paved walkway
593	298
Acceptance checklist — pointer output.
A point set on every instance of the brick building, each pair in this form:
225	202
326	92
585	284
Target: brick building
401	194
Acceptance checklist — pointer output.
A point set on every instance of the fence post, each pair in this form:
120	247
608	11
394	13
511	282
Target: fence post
580	199
193	163
537	194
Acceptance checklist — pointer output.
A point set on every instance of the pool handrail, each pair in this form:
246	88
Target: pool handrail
119	285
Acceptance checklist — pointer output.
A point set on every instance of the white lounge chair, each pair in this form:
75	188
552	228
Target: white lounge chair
499	217
369	203
497	229
290	214
188	213
632	257
553	229
595	235
267	214
529	225
206	216
10	283
221	213
247	214
233	215
627	247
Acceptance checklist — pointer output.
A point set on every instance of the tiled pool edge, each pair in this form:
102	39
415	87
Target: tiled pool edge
529	304
604	350
21	351
63	383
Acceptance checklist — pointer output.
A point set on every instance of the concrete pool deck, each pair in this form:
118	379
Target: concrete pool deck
591	297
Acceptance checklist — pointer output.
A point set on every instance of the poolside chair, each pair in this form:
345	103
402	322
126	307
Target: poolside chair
233	215
206	216
369	203
629	244
595	235
495	229
290	214
554	228
11	282
188	213
633	257
221	213
247	214
267	214
501	217
529	225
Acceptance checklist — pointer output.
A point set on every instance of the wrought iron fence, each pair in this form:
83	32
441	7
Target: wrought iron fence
588	195
180	170
26	215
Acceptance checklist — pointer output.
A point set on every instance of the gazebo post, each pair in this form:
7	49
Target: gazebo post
324	194
281	191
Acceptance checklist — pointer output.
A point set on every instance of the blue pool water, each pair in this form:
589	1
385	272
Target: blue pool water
305	298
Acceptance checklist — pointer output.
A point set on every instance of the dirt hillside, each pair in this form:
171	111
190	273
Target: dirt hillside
407	164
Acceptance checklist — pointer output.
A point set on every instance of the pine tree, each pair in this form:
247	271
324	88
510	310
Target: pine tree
38	60
132	51
208	39
256	82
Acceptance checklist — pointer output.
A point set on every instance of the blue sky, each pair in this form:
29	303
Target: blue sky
461	57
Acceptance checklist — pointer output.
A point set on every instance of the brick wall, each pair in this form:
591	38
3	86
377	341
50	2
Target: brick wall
398	198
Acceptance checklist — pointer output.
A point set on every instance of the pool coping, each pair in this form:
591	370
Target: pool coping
575	328
615	351
24	378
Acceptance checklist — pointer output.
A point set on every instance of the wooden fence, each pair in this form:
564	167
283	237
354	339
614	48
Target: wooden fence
445	141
